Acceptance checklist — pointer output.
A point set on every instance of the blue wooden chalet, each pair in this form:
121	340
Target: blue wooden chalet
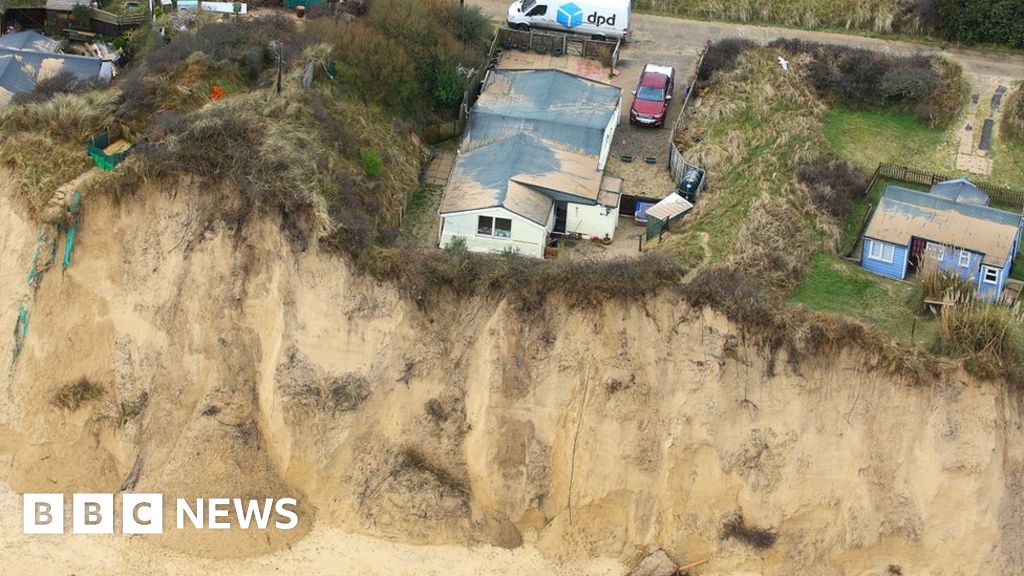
953	224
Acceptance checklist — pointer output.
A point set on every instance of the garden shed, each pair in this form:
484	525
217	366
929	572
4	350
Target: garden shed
668	210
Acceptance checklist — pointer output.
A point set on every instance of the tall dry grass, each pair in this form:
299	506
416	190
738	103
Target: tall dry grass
44	142
988	337
878	16
935	283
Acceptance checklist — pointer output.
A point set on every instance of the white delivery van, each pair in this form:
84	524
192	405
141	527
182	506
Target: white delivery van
595	18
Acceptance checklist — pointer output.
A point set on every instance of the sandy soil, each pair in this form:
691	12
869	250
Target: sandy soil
560	441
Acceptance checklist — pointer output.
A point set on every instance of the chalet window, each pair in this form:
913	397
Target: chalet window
502	227
881	251
496	227
965	259
935	250
989	275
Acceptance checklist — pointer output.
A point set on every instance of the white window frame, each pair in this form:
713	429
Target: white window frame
935	250
965	255
494	227
984	275
881	251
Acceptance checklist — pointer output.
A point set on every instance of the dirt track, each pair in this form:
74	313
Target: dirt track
670	34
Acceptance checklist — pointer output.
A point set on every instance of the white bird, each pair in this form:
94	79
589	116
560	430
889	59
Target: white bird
784	63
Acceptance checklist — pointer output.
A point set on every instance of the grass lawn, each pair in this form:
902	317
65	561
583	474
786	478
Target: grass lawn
866	138
1017	268
1008	162
840	287
419	223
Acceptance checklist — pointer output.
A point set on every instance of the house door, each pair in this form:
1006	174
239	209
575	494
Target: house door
560	215
917	246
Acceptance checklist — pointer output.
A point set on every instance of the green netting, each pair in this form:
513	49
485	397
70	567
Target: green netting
43	242
69	244
20	332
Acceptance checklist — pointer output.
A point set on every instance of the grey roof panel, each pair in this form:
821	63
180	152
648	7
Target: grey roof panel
21	69
551	104
29	40
960	190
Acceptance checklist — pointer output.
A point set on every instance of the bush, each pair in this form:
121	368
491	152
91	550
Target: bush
1013	115
428	275
445	83
722	55
931	87
759	538
373	166
982	21
62	83
832	187
73	396
472	26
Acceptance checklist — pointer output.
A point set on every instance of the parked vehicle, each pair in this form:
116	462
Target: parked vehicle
601	19
652	96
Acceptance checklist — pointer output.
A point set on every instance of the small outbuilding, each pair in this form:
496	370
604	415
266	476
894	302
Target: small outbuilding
951	225
665	212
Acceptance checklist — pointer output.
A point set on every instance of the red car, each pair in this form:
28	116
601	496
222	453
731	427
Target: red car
651	98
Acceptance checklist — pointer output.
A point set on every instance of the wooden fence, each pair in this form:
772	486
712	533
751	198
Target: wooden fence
1001	195
559	44
677	165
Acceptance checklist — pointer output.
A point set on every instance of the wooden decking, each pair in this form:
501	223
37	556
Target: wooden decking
1011	292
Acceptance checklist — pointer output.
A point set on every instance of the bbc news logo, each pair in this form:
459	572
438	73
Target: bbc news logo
144	513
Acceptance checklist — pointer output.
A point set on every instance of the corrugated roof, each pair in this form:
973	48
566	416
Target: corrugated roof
960	190
21	69
29	40
521	174
903	214
669	207
550	104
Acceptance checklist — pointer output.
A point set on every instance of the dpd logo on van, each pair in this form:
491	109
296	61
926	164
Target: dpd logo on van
569	15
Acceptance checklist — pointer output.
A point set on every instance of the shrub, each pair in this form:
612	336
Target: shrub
982	21
373	166
526	282
472	26
445	83
931	87
832	187
722	55
62	83
1013	115
759	538
72	396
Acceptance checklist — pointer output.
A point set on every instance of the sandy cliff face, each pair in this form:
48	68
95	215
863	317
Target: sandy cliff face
233	365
